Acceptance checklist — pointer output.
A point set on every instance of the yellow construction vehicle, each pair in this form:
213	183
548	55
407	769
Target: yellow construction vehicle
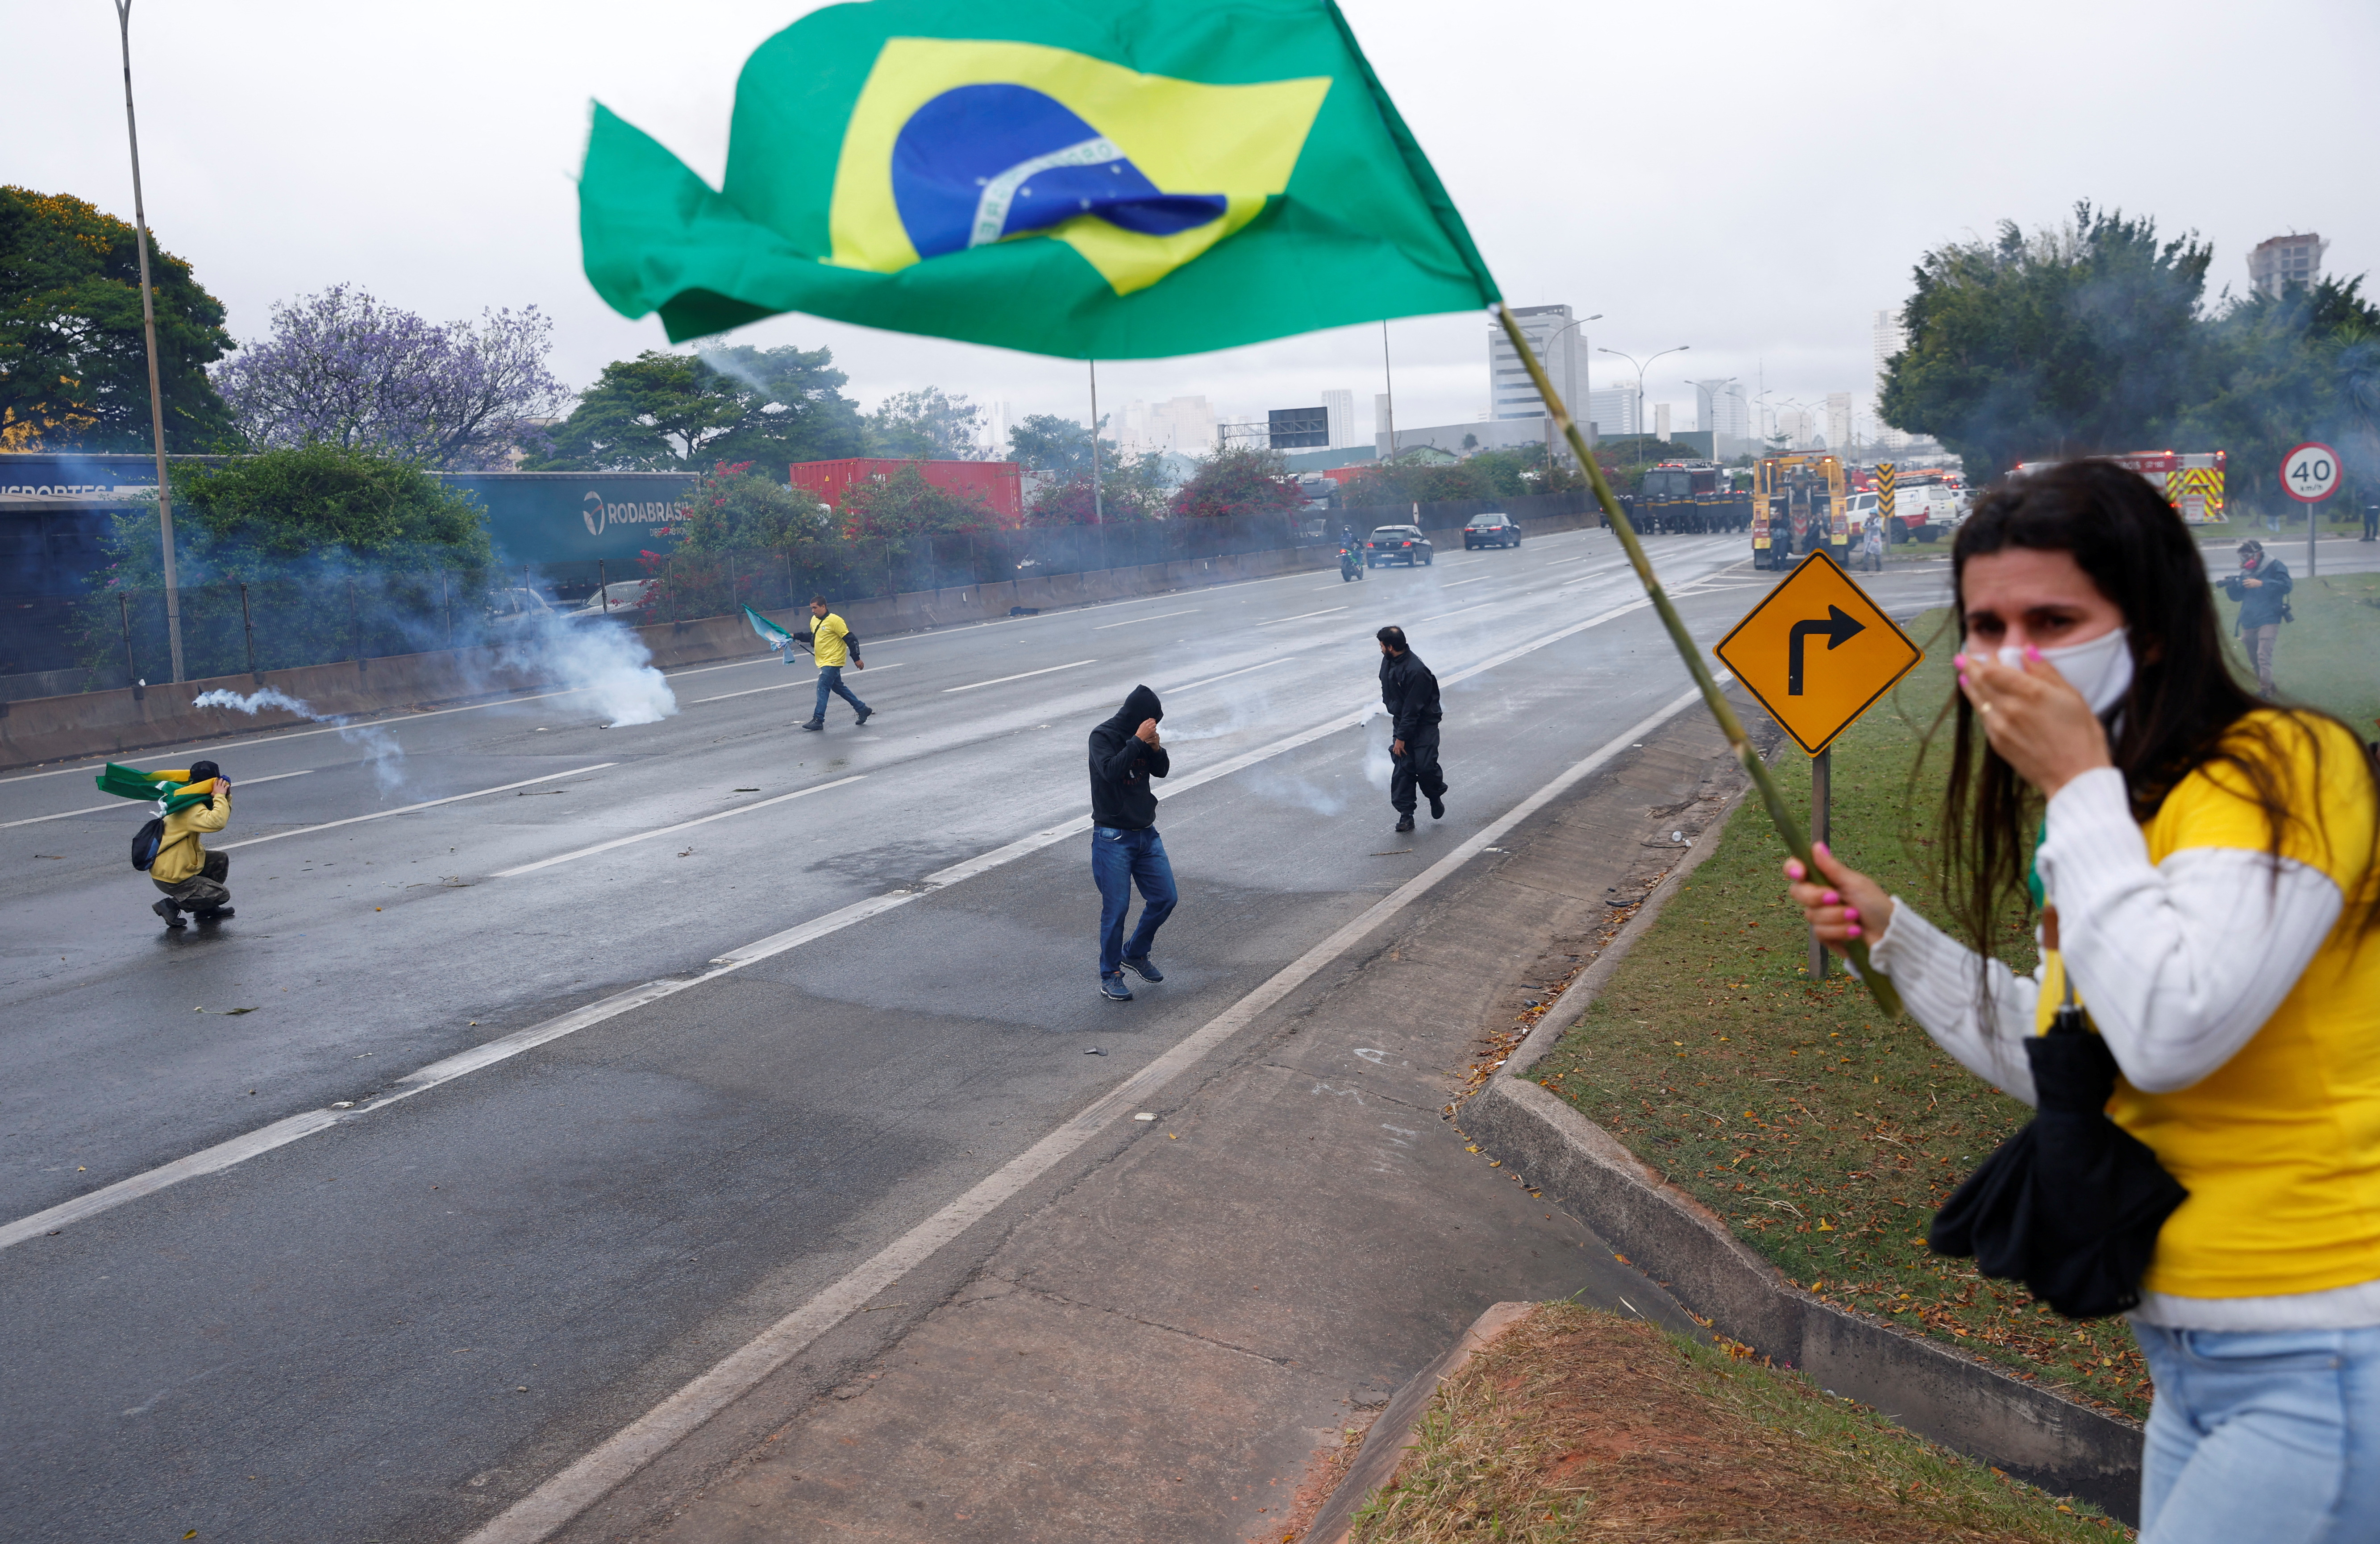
1798	506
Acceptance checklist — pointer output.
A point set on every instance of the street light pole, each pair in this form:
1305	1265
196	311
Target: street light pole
1548	406
1387	378
1639	370
149	327
1098	509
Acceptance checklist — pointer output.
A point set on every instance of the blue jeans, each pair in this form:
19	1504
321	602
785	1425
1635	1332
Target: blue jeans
1118	859
2265	1435
831	680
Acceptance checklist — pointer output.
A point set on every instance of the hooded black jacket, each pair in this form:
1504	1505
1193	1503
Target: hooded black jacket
1409	692
1121	766
2264	606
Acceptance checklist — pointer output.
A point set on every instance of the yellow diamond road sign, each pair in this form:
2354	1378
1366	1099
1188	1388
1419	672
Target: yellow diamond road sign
1817	652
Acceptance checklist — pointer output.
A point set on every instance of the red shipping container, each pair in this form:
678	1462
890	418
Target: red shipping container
998	485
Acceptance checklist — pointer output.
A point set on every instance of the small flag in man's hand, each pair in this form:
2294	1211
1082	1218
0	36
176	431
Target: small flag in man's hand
1088	181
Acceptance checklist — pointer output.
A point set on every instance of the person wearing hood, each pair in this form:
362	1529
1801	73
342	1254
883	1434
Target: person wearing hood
1126	848
1409	692
192	877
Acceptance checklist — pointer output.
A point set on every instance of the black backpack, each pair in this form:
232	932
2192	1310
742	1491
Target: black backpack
146	840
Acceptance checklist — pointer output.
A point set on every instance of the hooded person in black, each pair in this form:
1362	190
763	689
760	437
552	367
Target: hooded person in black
1410	693
1126	848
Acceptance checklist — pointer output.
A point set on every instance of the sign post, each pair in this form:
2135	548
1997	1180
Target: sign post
2310	474
1818	653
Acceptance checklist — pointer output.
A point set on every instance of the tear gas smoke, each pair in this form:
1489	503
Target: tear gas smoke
605	660
382	753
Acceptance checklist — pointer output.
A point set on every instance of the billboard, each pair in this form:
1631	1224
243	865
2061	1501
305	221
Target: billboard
1299	429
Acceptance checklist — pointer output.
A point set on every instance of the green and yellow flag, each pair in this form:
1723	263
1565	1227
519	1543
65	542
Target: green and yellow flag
1106	181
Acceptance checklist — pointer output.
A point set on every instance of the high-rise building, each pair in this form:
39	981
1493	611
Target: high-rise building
1559	345
999	418
1182	425
2284	260
1724	412
1341	406
1891	338
1839	421
1613	410
1799	427
1660	420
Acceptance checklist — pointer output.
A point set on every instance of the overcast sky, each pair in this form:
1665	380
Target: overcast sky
1752	181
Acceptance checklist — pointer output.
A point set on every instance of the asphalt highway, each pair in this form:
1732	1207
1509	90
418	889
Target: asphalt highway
429	1303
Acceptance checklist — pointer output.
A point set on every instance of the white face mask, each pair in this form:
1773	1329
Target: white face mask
2100	669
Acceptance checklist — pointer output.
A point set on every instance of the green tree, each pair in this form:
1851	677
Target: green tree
734	508
74	365
311	506
1240	480
905	505
1131	487
668	411
1045	442
926	424
2277	369
2076	339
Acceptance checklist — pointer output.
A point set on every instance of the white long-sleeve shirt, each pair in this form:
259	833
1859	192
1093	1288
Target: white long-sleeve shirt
2179	963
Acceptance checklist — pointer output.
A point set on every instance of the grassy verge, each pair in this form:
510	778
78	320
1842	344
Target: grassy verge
1825	1137
1578	1424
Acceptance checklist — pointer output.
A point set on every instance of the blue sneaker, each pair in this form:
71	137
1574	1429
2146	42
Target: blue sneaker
1113	989
1145	967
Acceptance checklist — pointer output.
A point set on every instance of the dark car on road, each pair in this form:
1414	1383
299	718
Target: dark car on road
1491	530
1398	544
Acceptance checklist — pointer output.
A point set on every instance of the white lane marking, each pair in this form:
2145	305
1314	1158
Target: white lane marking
805	681
1458	562
504	1046
1481	580
1024	675
1442	615
549	1508
1580	558
408	809
1136	621
668	830
1226	676
1327	611
101	808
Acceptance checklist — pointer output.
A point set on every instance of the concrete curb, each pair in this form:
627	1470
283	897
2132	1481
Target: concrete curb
1378	1462
1968	1405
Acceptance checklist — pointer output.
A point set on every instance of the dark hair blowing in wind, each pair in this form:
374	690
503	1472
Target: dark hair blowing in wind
2186	708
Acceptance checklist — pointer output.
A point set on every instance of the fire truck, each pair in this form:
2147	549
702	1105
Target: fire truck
2191	481
1798	506
1697	496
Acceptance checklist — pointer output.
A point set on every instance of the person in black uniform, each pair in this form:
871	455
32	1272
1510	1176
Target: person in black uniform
1126	751
1410	693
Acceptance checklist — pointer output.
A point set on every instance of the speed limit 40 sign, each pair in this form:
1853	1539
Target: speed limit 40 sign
2310	473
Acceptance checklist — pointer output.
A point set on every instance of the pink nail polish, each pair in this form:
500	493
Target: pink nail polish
1854	930
1850	913
2031	652
1832	899
1820	848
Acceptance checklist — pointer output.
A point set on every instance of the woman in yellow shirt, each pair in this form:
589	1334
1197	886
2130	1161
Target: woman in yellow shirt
2211	891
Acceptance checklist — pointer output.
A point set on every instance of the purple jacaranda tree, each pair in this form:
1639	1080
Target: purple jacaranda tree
341	368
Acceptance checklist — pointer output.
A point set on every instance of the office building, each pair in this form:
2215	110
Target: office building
1559	344
1613	410
999	418
2284	260
1799	427
1660	420
1839	421
1724	412
1341	406
1183	425
1889	338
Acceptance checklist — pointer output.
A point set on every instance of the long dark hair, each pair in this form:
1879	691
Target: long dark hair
2186	708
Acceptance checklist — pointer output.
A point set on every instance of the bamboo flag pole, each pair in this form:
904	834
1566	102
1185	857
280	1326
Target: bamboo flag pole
1780	814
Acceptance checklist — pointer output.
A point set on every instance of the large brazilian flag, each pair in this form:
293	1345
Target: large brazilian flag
1101	181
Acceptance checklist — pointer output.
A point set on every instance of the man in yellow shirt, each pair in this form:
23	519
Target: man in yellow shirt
832	645
192	877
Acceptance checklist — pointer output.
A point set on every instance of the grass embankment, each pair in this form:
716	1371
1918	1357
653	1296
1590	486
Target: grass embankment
1578	1424
1825	1137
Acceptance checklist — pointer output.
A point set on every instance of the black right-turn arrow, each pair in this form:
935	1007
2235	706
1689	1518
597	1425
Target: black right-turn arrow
1838	628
